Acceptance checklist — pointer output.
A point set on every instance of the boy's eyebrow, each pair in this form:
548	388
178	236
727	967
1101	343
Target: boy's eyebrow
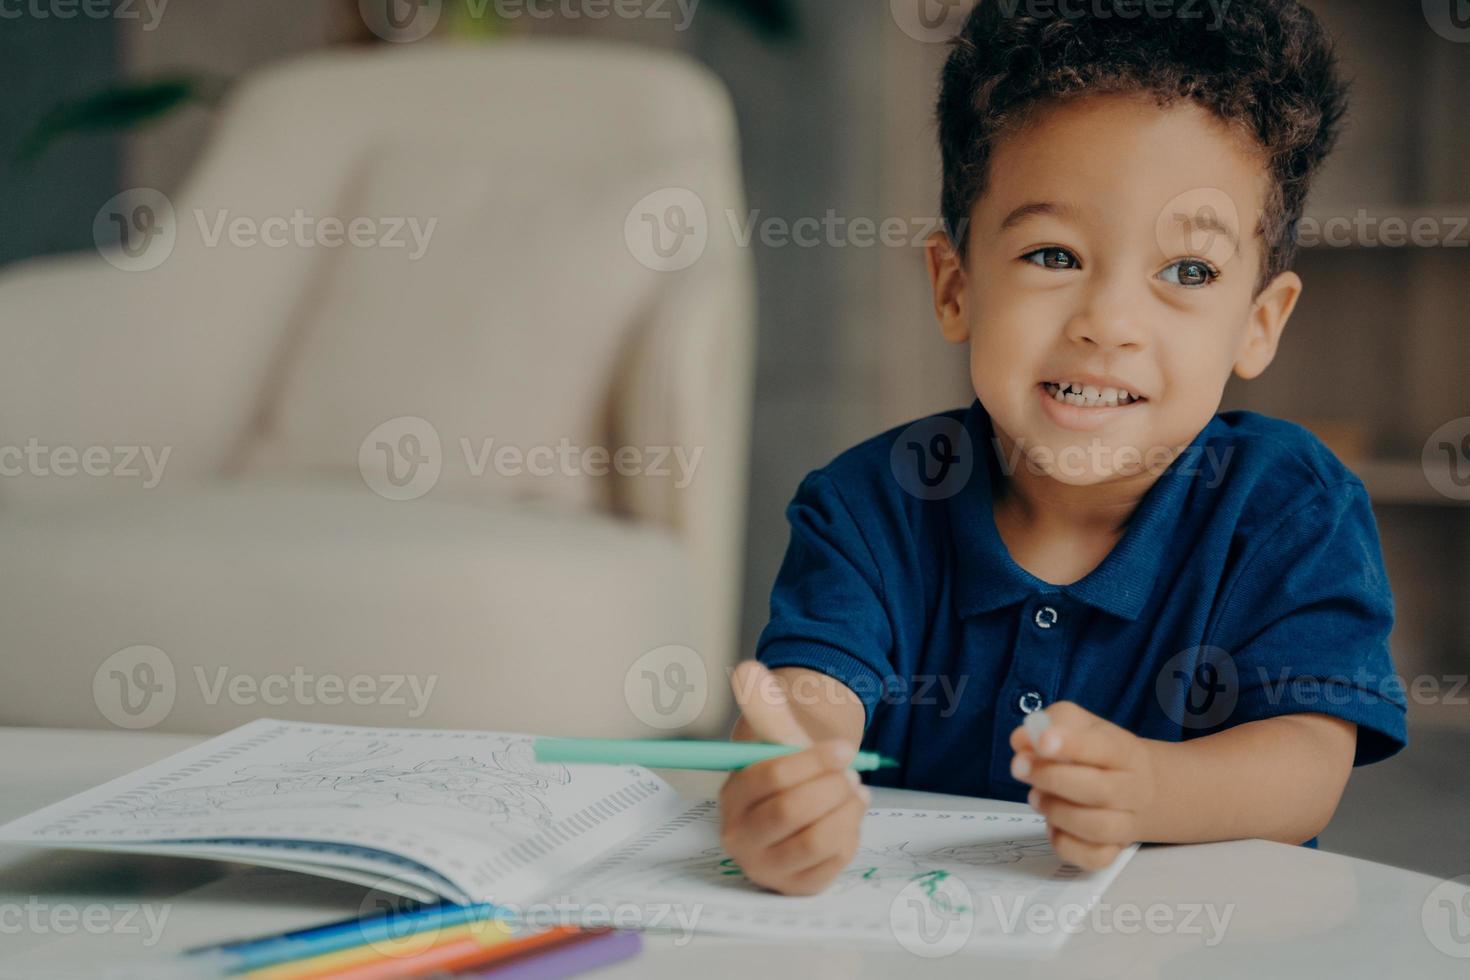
1036	208
1204	219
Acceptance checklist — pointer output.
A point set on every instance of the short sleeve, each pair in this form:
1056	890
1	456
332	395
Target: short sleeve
827	605
1307	619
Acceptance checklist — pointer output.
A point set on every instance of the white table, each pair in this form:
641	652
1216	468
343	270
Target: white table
1294	912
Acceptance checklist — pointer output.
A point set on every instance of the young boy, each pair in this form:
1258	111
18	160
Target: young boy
1197	600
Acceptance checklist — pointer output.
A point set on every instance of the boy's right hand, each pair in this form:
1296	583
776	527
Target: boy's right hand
791	823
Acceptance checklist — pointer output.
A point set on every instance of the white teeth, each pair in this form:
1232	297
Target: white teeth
1090	396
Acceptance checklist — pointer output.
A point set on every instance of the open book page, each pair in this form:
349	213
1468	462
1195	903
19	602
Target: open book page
472	809
933	881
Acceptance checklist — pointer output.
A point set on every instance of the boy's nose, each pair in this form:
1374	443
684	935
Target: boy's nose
1109	318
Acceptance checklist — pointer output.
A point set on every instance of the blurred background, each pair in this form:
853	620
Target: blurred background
136	134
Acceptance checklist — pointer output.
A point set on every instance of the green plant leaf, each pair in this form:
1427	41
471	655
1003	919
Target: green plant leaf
118	108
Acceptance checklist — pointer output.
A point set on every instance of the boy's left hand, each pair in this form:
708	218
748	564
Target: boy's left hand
1092	780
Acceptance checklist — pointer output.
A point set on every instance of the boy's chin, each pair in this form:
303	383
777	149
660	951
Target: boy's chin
1086	461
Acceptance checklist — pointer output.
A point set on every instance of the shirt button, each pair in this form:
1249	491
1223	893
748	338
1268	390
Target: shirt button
1030	701
1046	617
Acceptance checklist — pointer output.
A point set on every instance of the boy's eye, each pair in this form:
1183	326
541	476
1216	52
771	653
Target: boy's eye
1191	273
1052	258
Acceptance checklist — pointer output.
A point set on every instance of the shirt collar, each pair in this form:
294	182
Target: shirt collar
987	578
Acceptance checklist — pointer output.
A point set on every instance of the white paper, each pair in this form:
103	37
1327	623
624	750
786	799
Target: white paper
933	881
472	808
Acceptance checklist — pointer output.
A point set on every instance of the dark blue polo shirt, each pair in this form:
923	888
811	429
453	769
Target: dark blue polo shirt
1248	583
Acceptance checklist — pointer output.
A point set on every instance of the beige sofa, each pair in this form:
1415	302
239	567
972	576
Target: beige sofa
259	463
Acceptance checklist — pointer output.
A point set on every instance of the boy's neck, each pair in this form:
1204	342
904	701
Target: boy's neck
1039	503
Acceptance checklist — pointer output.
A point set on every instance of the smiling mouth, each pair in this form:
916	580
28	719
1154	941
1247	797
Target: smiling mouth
1090	396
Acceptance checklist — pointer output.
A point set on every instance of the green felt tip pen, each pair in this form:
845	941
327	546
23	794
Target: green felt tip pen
678	753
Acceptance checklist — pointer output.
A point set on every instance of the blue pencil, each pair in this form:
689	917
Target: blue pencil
253	954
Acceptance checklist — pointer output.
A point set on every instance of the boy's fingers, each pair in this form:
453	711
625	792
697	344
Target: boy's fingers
1088	785
753	784
763	704
776	818
814	879
1085	854
817	842
1088	823
1098	743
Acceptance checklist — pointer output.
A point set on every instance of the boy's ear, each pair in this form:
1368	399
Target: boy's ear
947	277
1268	319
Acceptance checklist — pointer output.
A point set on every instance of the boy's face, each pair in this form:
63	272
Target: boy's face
1104	252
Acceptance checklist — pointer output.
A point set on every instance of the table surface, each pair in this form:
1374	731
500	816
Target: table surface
1291	911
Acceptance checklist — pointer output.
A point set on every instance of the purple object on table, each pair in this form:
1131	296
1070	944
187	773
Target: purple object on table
571	958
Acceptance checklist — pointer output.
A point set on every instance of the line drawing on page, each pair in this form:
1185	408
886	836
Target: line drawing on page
508	788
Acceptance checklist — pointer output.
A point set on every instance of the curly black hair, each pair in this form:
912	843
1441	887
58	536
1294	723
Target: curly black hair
1263	67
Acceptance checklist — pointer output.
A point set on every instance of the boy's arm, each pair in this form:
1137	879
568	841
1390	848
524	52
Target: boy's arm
1278	778
824	706
1102	788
